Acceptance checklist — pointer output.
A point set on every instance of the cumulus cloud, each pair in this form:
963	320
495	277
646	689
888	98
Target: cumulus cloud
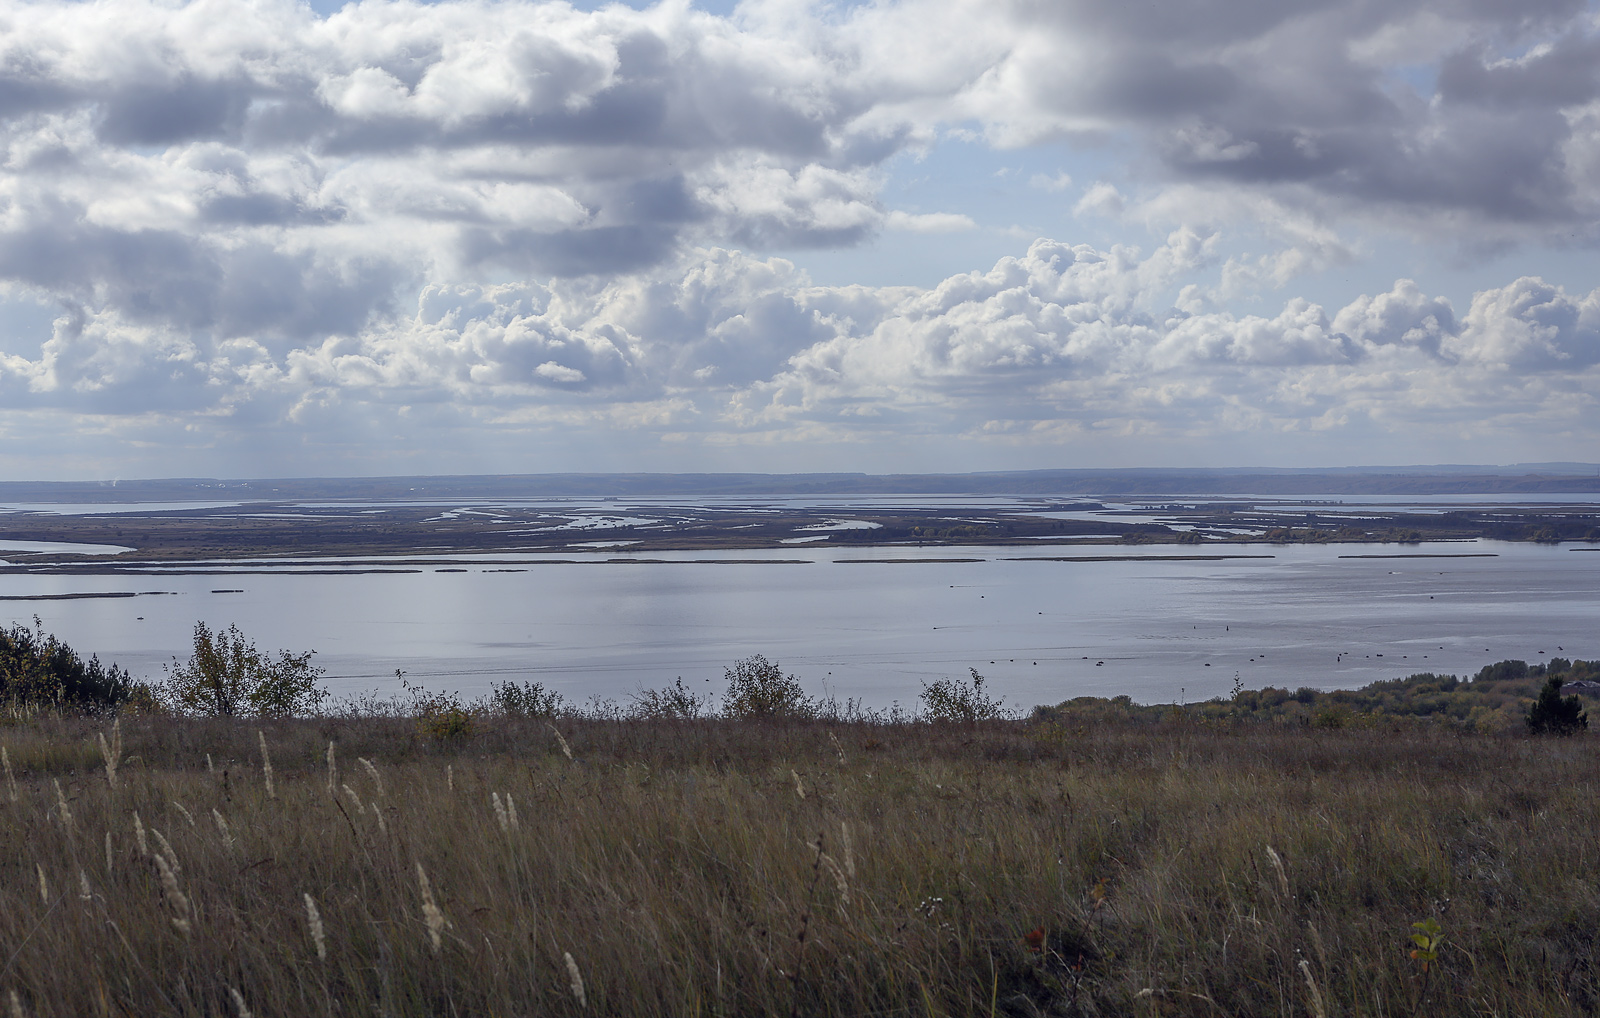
929	222
1478	115
1046	347
511	212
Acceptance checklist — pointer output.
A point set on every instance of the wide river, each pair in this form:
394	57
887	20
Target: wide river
1041	631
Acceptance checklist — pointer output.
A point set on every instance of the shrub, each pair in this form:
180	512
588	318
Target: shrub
40	670
757	688
525	700
957	700
676	701
1502	671
227	677
1553	714
440	717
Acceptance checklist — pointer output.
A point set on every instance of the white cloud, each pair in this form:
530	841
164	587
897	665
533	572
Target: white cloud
1048	348
929	222
496	214
1101	199
1042	182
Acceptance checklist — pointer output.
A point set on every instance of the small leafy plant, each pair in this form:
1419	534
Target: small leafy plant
957	700
1427	936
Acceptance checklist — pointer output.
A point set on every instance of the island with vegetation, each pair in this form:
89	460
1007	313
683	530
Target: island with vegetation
155	527
231	841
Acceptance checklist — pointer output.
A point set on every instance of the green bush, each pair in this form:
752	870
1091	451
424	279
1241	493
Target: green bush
39	670
227	677
525	700
955	700
757	688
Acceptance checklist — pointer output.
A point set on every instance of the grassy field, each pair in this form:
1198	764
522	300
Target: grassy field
804	868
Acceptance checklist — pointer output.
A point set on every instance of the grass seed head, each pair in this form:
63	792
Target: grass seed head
183	812
109	865
61	800
799	787
166	850
575	980
1318	1010
16	1005
266	765
85	893
11	785
560	739
138	835
222	830
238	1003
840	880
1277	865
511	811
314	924
500	812
109	756
430	911
372	772
333	771
175	896
44	888
355	800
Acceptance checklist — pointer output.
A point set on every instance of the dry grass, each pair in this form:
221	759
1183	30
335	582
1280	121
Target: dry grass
675	869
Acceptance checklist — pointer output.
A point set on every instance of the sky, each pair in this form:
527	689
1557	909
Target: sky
249	238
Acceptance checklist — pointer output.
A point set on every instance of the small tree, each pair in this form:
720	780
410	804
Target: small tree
1554	714
955	700
757	688
228	677
40	670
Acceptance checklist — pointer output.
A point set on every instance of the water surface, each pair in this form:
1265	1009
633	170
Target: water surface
871	622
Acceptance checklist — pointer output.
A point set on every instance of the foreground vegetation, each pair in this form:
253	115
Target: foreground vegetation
1495	700
227	842
670	867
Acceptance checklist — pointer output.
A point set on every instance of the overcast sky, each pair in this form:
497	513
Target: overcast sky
259	238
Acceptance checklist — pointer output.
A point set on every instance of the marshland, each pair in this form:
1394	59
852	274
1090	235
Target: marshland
783	856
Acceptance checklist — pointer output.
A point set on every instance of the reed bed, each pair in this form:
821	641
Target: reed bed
741	868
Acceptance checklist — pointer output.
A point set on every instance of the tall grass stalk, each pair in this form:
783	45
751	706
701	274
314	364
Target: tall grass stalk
575	980
372	772
112	753
266	766
64	811
319	935
431	915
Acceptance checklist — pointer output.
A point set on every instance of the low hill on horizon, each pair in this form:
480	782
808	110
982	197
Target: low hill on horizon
1540	478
